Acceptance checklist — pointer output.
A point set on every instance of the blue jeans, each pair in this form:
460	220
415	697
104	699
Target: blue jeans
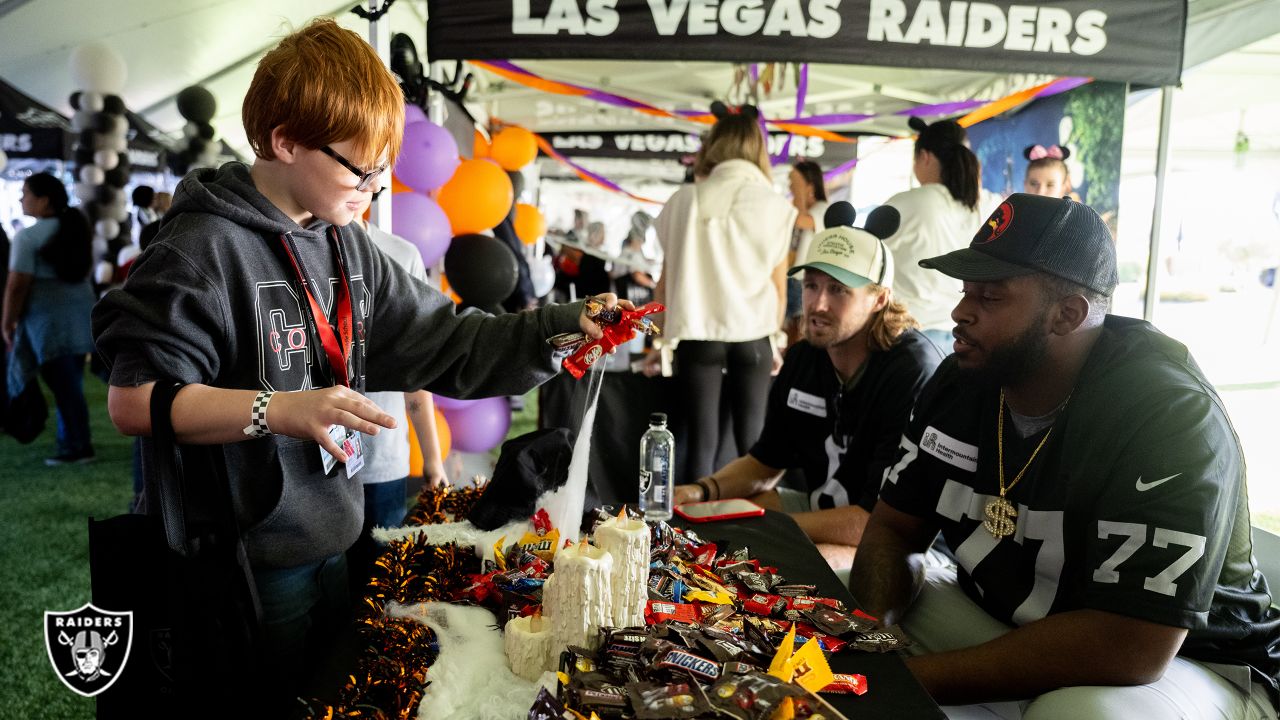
303	610
65	377
384	506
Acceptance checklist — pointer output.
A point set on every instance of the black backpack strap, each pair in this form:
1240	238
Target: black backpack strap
165	470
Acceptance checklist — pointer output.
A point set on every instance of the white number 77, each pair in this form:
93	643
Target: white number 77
1136	534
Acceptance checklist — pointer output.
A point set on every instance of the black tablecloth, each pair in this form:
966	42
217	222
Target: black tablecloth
776	540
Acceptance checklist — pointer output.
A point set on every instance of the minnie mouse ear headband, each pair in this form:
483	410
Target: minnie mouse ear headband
722	111
853	257
1040	152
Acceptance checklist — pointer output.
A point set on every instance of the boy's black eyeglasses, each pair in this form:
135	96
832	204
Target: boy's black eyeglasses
366	178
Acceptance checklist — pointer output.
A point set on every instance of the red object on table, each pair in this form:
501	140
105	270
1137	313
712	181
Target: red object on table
619	326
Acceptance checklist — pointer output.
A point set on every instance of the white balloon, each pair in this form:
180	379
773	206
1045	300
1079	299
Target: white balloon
543	275
107	229
98	67
92	175
121	127
127	253
106	159
99	248
121	212
190	130
104	272
120	143
81	120
86	192
4	160
91	101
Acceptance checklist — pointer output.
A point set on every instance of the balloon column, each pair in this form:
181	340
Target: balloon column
198	107
101	157
428	158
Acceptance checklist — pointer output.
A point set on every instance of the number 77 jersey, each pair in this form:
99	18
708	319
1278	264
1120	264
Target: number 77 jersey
1135	505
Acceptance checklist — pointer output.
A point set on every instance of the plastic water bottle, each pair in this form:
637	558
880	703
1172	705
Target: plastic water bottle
657	456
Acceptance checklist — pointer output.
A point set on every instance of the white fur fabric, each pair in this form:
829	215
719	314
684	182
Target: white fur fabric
463	533
470	679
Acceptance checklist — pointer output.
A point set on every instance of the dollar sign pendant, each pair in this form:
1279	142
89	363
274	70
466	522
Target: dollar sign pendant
1000	517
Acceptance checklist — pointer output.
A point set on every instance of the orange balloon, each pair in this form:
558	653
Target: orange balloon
514	147
481	147
443	436
477	197
448	291
399	187
530	225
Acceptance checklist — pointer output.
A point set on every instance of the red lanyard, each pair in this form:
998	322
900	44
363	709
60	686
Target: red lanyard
336	353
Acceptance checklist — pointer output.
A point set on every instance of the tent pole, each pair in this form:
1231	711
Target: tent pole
1152	294
380	39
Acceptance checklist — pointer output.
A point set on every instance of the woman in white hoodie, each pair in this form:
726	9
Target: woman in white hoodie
725	243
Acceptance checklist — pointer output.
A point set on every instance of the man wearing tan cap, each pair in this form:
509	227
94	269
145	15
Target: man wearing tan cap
1086	476
841	401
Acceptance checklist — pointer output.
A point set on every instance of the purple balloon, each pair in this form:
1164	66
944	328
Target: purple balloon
428	156
414	114
481	427
449	405
418	219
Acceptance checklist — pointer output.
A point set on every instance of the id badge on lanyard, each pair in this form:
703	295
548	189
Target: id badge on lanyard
337	346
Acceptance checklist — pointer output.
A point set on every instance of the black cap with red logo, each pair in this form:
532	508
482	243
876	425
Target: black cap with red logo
1032	233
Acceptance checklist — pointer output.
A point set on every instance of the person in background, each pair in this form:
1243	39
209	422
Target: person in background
1047	172
809	196
386	466
161	204
593	269
1089	481
838	407
143	197
723	281
263	297
47	305
631	271
937	217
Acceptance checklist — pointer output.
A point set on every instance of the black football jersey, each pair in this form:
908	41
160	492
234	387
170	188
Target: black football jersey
1136	503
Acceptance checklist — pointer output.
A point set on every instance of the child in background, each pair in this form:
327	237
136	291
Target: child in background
1047	173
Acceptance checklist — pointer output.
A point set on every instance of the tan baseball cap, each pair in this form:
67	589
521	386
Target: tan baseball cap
853	257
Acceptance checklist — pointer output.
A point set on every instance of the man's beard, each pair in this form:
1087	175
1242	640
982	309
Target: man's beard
1016	361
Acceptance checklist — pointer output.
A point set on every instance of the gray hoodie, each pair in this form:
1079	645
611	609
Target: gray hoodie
214	300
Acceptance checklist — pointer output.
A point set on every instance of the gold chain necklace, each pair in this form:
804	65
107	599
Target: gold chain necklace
1000	513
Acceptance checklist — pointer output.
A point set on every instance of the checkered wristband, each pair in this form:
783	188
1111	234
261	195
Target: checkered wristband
258	415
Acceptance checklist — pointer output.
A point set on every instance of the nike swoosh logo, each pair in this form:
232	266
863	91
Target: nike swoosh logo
1143	487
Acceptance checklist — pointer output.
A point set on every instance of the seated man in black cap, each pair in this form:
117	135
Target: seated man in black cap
1086	476
841	401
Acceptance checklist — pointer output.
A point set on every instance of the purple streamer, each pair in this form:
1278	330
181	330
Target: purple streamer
839	169
802	90
947	108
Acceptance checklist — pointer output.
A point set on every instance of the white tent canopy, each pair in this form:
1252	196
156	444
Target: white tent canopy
170	45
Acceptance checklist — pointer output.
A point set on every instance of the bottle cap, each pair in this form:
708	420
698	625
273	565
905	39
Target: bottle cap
657	418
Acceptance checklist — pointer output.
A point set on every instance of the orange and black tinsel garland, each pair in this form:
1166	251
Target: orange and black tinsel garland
392	670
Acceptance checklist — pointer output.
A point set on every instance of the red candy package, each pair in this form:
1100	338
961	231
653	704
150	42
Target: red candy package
657	611
763	604
847	685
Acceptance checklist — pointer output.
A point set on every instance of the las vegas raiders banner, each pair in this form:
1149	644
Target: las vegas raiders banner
674	145
1136	42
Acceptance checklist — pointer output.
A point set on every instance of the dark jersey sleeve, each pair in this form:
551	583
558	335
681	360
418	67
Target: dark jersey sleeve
775	448
1159	534
912	482
169	318
419	340
899	387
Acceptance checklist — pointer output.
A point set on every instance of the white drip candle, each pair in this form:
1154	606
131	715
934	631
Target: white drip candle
627	541
527	641
576	597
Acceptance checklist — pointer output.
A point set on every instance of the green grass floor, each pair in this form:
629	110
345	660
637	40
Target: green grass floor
44	553
44	558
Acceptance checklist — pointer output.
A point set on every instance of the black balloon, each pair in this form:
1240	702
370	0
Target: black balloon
480	269
197	145
197	104
87	140
103	122
117	177
83	156
205	130
105	194
75	100
517	183
113	104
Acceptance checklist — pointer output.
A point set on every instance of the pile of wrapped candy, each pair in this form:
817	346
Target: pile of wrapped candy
719	630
